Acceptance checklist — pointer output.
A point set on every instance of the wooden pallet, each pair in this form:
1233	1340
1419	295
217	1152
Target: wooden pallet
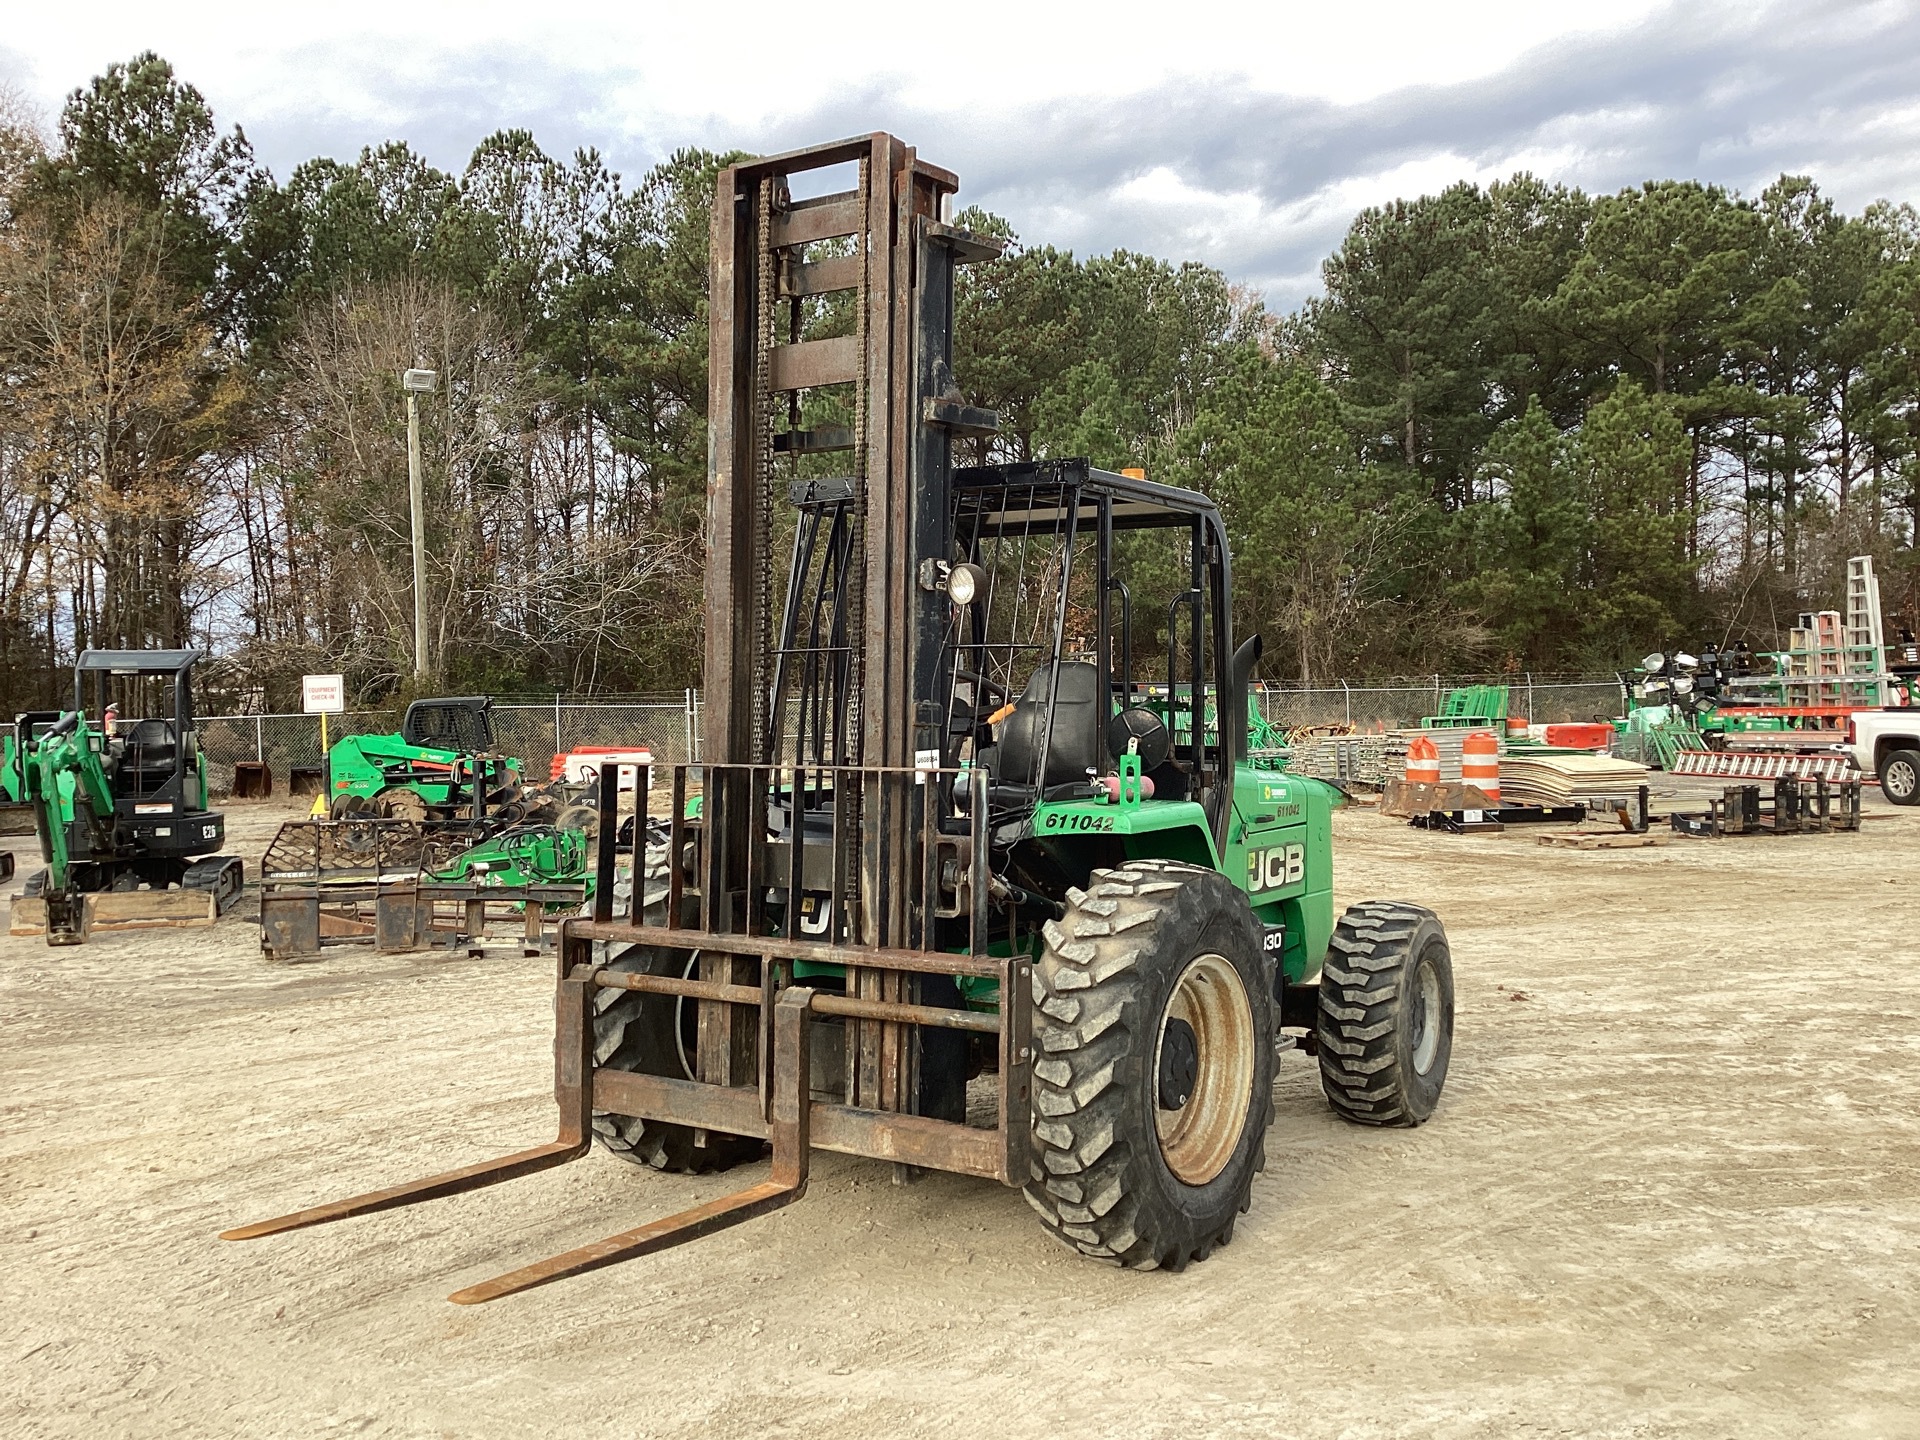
123	910
1624	840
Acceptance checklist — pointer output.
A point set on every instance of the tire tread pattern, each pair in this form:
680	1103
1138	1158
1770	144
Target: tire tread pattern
1360	984
620	1042
1090	1034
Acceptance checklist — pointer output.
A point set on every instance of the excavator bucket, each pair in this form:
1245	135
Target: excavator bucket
66	918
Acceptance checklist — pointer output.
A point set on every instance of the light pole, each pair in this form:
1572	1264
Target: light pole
418	383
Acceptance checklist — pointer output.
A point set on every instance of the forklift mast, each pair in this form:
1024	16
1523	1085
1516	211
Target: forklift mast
835	667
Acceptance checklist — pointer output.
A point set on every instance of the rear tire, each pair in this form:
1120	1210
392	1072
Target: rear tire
1385	1031
1900	777
644	1034
1153	1086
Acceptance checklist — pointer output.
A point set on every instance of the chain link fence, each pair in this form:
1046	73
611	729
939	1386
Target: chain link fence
1404	702
531	732
535	731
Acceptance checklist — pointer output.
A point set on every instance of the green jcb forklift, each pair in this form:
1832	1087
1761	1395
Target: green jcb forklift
121	809
973	882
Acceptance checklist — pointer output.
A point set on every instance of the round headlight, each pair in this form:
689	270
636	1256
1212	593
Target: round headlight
964	582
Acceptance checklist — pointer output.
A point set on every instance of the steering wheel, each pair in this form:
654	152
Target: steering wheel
989	694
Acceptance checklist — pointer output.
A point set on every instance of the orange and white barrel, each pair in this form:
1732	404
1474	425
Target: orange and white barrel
1480	763
1516	727
1423	761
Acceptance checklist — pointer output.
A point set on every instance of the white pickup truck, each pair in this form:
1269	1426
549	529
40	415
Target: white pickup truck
1886	743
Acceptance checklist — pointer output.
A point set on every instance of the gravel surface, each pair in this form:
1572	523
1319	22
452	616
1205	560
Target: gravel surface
1673	1190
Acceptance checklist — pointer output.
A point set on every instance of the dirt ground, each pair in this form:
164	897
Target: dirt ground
1674	1189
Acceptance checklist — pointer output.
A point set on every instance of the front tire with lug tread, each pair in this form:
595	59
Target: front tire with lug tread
397	802
1385	1029
1153	1075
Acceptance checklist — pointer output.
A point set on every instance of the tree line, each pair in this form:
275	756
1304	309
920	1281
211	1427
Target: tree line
1522	428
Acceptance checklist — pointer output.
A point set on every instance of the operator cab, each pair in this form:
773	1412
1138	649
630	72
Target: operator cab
1095	624
454	722
152	761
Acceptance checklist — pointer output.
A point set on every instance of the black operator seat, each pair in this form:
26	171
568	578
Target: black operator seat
1079	728
148	753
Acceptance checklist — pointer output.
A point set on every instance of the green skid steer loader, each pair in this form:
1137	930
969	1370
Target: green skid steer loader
977	880
442	765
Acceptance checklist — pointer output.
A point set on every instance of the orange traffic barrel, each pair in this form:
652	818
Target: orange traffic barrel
1516	727
1480	763
1423	761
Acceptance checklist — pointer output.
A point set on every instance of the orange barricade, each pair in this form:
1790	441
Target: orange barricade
1580	737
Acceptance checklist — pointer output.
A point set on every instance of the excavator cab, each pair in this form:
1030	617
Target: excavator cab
153	762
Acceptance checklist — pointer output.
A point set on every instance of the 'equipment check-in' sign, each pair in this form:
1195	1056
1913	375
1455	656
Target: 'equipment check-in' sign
323	694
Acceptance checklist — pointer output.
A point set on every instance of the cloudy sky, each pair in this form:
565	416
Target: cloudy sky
1242	135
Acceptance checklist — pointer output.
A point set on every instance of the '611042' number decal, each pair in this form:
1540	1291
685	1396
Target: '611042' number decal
1056	820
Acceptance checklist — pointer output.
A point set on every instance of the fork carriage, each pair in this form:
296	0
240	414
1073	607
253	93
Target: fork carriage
756	1026
746	916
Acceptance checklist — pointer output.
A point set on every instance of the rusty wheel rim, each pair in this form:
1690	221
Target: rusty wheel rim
1198	1137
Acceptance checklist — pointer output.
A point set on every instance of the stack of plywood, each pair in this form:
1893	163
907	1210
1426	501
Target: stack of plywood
1566	779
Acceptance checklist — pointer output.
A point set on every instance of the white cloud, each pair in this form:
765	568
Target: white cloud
1245	135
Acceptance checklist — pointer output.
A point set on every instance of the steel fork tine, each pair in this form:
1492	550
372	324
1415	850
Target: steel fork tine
573	1089
451	1182
792	1102
678	1229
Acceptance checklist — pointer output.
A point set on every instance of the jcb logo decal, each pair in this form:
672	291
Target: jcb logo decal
1280	865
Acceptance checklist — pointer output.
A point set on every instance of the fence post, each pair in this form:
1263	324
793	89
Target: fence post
558	748
1436	694
1347	690
260	738
1530	705
691	757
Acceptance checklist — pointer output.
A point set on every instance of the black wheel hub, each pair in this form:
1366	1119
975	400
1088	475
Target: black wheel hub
1179	1064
